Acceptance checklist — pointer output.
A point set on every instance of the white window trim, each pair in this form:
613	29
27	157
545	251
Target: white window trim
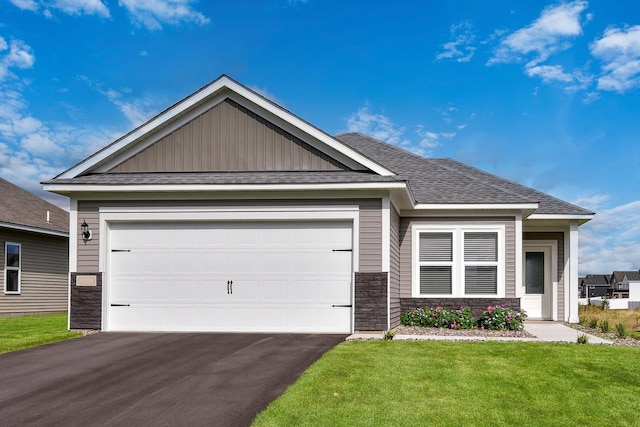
458	264
18	268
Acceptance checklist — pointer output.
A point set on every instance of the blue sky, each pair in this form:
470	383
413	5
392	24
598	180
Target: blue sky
543	93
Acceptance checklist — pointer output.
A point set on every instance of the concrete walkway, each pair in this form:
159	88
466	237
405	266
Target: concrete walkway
543	332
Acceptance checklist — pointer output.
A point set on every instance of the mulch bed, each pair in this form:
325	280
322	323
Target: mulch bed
418	330
628	341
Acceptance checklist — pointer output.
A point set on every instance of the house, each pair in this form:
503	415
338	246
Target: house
582	290
634	289
596	285
622	282
227	212
34	240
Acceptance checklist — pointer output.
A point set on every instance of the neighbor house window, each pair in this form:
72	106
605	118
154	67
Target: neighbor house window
458	261
12	261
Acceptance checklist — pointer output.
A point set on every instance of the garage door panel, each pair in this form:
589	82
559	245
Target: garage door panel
286	277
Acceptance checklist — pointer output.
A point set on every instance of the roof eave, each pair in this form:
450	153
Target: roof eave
33	229
567	217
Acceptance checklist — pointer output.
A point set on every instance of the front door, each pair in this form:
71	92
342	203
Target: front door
537	295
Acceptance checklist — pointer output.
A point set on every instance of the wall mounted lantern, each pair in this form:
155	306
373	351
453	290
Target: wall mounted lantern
86	233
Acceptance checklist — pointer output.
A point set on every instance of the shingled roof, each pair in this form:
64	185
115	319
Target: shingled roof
633	275
20	209
444	181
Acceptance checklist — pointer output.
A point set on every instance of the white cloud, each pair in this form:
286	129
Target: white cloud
40	145
377	126
81	7
153	13
619	52
545	36
70	7
555	73
429	141
26	4
461	47
19	55
611	241
136	111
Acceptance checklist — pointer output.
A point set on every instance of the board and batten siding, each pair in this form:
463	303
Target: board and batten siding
228	137
44	273
406	257
370	233
394	274
559	237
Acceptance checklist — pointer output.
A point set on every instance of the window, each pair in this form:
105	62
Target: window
458	261
12	268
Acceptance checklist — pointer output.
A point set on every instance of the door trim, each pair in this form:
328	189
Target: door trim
551	269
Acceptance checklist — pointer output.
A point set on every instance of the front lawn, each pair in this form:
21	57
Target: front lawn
400	383
17	333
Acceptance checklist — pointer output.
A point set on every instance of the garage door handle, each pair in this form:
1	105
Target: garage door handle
120	305
342	305
342	250
229	287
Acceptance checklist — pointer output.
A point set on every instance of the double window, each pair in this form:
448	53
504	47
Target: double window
458	261
12	260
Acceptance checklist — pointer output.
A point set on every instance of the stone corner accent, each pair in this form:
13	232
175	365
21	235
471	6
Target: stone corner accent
370	305
86	301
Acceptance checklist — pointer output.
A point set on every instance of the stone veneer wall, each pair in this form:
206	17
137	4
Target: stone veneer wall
371	301
86	303
477	305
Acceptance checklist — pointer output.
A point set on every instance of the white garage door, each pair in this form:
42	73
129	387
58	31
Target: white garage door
246	276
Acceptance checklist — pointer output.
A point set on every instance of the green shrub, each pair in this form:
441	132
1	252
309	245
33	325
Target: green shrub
621	330
605	304
593	323
439	318
584	320
604	326
583	339
500	318
388	335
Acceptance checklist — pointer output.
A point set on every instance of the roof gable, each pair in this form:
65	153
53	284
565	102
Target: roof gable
202	101
20	209
228	138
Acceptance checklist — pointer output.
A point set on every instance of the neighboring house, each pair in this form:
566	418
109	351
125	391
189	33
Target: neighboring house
227	212
34	240
634	286
596	285
622	282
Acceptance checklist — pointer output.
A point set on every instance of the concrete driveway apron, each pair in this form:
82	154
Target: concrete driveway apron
153	379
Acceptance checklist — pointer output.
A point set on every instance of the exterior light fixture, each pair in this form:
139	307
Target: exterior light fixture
86	233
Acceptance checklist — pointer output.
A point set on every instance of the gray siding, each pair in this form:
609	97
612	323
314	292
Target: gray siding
44	273
559	237
394	274
370	232
228	137
406	257
88	251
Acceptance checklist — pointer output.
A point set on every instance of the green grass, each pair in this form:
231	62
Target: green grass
439	383
17	333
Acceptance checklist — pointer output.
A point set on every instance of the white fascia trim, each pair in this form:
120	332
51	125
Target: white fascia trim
73	188
462	206
219	85
33	229
562	216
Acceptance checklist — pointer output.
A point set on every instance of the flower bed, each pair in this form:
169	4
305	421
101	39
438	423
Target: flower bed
495	318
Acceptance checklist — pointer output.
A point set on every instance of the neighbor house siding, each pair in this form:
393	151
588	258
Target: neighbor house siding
44	273
370	233
406	257
394	274
228	137
559	237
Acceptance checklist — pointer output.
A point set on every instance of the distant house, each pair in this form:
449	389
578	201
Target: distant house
34	241
596	285
621	282
582	291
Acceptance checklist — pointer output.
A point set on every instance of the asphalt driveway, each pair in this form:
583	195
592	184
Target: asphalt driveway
153	379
